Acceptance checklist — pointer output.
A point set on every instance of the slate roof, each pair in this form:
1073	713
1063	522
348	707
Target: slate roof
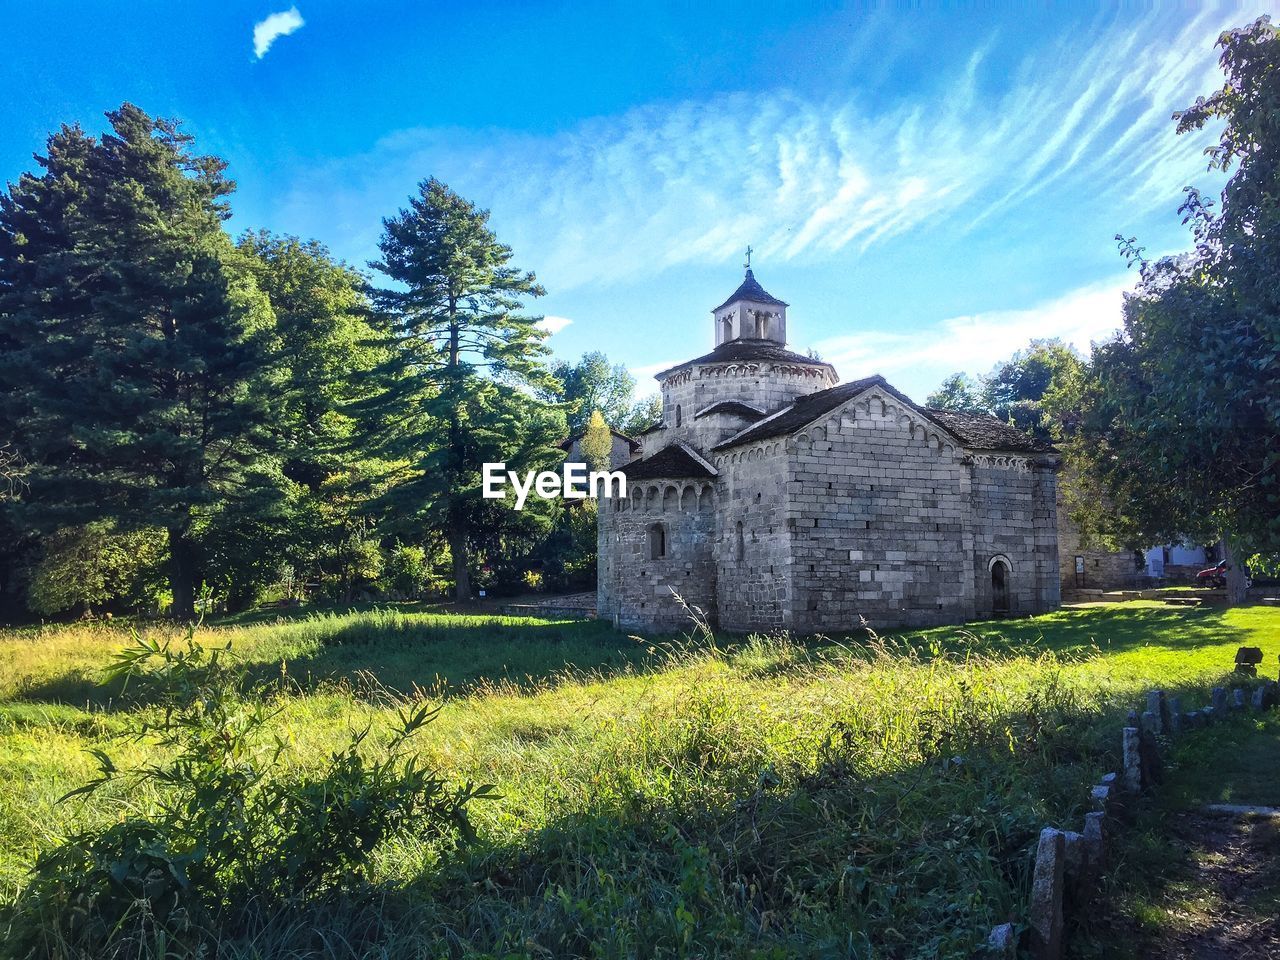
749	289
981	431
977	431
674	460
735	407
806	409
736	351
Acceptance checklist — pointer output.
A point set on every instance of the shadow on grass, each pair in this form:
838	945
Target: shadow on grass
440	657
836	864
388	651
1186	883
448	660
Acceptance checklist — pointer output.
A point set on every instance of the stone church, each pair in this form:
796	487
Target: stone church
774	497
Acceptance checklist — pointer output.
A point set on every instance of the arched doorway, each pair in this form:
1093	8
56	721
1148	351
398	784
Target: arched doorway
999	585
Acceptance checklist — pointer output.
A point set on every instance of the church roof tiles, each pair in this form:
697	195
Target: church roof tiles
738	351
981	431
735	407
751	290
977	431
675	460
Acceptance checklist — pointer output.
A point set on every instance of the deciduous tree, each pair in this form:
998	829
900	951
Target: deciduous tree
958	392
597	442
1180	414
594	384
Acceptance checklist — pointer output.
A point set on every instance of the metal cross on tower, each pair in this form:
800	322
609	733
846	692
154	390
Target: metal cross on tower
747	265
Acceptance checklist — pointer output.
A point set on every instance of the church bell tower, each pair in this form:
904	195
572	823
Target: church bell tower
751	313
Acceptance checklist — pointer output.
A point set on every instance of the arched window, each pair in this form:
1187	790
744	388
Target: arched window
742	542
762	325
677	414
726	330
657	542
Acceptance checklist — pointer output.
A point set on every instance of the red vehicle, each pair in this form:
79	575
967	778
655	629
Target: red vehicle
1216	577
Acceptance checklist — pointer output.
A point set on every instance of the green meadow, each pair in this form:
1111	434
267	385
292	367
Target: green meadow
859	796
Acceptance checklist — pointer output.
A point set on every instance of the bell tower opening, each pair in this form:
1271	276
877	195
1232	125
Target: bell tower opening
751	313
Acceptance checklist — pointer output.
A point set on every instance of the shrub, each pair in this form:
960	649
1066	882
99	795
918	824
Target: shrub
407	570
232	840
82	567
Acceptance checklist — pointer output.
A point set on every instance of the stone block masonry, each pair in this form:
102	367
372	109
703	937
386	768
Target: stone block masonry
812	506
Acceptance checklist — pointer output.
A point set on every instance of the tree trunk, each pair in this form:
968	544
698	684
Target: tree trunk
461	571
1236	590
457	532
182	574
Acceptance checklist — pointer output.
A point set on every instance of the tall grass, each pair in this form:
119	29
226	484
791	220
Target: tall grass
761	797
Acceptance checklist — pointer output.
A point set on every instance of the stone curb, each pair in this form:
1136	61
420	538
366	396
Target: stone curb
1069	865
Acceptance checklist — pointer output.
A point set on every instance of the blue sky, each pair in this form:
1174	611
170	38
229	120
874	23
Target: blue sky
929	186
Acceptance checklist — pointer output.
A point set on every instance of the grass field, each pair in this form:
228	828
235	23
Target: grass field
1184	882
764	798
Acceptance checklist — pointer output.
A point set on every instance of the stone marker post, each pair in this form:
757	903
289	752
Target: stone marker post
1132	759
1159	705
1046	896
1095	839
1219	702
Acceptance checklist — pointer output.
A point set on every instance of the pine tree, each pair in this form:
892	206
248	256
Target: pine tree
466	366
136	362
327	351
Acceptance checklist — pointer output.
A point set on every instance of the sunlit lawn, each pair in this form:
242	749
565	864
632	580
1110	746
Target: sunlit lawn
765	795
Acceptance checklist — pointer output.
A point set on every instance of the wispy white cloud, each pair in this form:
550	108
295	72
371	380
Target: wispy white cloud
806	178
553	324
277	25
645	384
917	360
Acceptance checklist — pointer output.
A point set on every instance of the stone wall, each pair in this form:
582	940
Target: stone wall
878	514
1103	569
634	588
873	512
766	385
753	560
1014	522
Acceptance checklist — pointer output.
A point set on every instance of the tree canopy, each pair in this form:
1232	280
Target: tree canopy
284	424
1024	390
465	365
1179	416
136	372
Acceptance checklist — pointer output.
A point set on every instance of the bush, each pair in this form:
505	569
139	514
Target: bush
407	571
233	840
86	566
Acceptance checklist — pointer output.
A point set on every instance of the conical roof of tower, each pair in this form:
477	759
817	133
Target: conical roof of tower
749	289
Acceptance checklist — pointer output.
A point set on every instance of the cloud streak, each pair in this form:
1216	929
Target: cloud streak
917	360
277	25
552	324
805	178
